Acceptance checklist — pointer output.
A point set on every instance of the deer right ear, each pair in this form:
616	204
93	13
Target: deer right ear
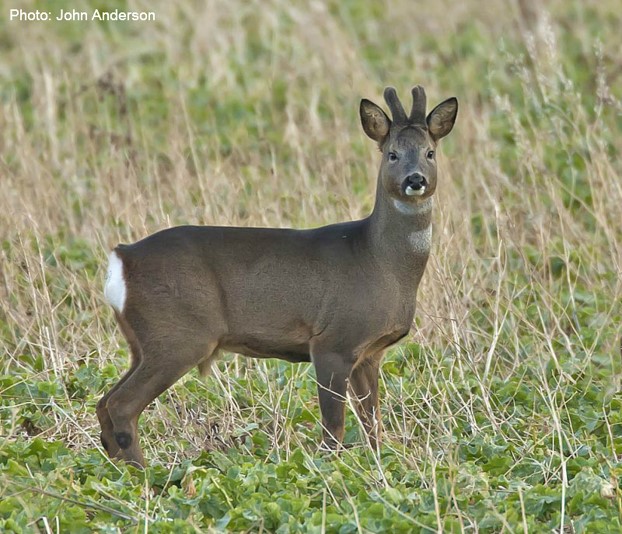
375	121
441	119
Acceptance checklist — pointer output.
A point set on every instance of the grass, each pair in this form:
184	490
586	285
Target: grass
502	411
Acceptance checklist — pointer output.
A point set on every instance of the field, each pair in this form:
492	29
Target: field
502	411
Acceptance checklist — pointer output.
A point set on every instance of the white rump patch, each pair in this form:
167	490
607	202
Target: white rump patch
115	289
421	240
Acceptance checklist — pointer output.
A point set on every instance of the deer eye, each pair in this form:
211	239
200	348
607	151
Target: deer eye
392	156
430	154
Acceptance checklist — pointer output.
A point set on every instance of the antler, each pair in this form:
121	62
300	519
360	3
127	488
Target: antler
397	111
417	113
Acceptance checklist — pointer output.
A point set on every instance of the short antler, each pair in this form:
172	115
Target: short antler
397	110
417	113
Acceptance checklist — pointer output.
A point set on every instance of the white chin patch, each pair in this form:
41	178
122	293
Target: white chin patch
415	192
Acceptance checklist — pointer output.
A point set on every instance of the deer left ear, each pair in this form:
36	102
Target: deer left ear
441	119
375	121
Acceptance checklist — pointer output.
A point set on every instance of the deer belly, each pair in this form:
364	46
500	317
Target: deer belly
384	342
262	348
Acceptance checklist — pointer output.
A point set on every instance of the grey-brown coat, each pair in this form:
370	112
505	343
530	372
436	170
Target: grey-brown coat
337	296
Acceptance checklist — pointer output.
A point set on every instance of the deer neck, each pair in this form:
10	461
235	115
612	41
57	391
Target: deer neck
402	231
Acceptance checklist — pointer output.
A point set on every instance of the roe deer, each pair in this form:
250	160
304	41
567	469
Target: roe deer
337	296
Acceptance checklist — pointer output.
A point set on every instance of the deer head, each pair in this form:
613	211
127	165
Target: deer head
408	143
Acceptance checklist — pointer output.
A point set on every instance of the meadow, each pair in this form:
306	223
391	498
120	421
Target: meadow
502	411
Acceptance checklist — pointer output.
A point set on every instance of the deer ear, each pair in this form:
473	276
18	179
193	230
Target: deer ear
375	121
441	119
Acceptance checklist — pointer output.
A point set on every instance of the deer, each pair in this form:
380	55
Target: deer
337	296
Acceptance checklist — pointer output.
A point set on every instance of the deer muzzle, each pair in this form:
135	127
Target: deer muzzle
415	185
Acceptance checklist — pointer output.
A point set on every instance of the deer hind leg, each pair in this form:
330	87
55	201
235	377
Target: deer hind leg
105	422
107	433
158	371
364	385
164	361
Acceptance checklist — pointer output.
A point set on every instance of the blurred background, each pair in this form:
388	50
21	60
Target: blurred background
246	113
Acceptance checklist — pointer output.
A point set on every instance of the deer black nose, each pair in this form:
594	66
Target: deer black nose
415	181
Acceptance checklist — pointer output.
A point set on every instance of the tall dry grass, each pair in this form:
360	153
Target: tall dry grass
245	113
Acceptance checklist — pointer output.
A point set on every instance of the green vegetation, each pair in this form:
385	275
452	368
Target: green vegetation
502	412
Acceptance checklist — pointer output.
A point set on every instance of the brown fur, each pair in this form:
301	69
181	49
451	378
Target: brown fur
337	296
